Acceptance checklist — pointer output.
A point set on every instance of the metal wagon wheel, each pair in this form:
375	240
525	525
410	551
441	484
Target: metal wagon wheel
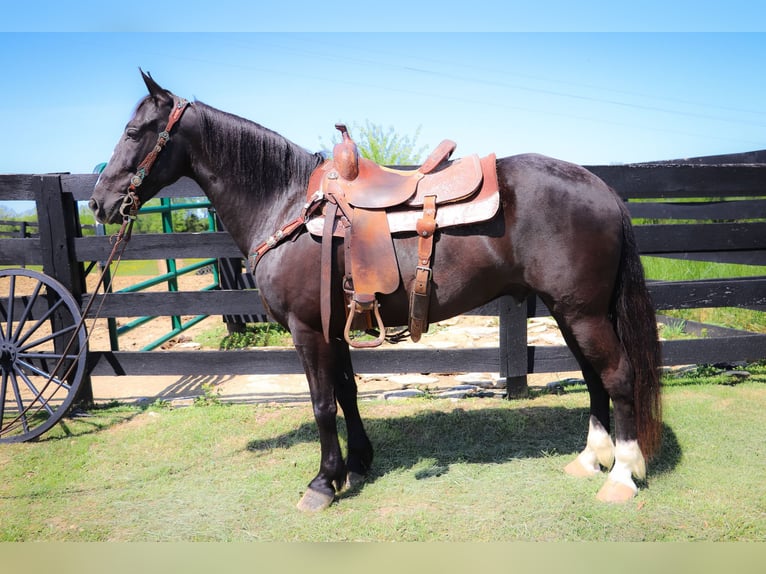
43	348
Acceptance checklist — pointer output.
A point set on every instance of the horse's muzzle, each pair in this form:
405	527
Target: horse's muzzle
97	210
101	214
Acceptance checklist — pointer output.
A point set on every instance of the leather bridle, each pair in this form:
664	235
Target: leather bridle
131	203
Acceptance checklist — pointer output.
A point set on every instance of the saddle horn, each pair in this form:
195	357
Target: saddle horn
345	155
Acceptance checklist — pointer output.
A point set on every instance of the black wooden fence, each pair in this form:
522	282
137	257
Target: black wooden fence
13	228
721	207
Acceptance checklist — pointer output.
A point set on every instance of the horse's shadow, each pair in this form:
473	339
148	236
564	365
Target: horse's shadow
484	436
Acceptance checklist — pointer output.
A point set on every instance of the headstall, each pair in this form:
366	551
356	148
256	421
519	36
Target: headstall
132	203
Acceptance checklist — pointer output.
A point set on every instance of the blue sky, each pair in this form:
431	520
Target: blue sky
579	91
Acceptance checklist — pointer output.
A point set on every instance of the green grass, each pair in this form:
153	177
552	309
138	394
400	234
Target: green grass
254	335
674	329
211	338
663	269
148	267
257	335
141	268
472	470
127	268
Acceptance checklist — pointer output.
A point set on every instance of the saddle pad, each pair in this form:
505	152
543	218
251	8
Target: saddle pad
450	215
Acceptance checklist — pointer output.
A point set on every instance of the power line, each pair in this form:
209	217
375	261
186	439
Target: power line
342	56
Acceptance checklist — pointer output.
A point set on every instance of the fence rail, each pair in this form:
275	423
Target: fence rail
696	210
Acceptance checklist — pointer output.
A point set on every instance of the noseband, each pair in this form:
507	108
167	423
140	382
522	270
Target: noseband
131	203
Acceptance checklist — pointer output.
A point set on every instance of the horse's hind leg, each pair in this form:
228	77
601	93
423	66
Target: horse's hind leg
599	448
609	375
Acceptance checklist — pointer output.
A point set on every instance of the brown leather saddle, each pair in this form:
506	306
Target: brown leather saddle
364	203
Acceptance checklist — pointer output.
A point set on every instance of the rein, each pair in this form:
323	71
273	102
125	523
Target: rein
129	211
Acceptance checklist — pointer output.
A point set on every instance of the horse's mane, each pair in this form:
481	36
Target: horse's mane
256	157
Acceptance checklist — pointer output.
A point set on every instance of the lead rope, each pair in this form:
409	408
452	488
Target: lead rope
129	211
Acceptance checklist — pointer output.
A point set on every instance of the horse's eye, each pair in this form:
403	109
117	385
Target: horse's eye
131	133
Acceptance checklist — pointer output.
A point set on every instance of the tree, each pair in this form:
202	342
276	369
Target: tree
384	145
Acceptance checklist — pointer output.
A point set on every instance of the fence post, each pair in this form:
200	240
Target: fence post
230	277
57	219
513	346
55	216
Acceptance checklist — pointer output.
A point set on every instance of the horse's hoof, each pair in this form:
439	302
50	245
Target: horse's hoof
616	492
314	501
353	480
578	469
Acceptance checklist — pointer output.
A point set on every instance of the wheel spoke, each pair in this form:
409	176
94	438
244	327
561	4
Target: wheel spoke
40	321
50	377
11	297
3	388
47	356
27	311
47	338
20	404
38	394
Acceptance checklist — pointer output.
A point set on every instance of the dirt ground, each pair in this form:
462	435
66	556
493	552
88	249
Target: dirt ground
149	332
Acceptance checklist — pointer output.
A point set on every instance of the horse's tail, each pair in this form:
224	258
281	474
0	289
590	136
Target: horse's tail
636	326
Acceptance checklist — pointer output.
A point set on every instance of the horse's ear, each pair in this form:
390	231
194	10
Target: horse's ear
155	90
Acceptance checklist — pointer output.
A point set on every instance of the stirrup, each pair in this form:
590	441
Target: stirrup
357	307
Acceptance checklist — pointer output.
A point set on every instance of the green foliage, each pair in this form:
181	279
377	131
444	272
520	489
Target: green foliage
211	396
257	335
384	145
674	329
191	223
161	404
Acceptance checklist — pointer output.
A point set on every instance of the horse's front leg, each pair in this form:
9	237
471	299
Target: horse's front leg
331	380
359	446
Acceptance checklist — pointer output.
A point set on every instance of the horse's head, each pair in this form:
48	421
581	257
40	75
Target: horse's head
148	145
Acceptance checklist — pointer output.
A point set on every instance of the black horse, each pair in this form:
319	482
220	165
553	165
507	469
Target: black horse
560	232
